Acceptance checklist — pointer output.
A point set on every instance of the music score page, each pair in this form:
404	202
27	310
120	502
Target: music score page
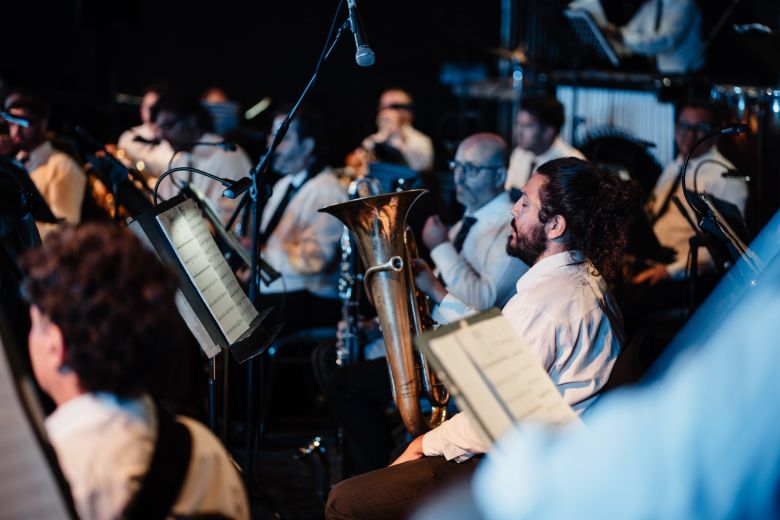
495	377
197	251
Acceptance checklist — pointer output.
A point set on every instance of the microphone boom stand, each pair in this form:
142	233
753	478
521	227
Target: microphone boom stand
259	189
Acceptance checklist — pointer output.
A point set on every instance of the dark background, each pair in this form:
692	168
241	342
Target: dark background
85	52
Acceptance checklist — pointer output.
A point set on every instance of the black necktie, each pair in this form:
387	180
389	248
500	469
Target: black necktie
462	232
277	216
668	199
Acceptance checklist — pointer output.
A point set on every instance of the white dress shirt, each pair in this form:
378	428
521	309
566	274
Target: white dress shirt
521	160
482	275
417	149
154	156
677	44
304	244
567	317
701	442
213	160
671	228
104	445
60	180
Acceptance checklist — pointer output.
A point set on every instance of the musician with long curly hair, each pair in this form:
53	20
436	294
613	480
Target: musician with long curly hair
570	226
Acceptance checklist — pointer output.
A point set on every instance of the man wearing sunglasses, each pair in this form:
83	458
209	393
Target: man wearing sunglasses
705	173
56	174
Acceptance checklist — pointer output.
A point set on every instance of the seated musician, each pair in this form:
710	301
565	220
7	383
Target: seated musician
473	264
184	123
103	322
537	140
667	30
295	239
59	178
140	142
394	118
706	167
570	226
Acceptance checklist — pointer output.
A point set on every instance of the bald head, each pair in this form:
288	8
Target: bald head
480	169
486	147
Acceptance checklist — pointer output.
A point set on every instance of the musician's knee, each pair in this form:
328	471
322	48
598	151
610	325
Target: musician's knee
340	503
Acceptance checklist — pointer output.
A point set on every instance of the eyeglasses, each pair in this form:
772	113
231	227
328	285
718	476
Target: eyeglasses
701	128
471	170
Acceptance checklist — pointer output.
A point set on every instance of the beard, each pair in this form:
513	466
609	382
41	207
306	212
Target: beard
527	248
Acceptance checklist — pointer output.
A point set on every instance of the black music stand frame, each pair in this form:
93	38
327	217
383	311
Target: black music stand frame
258	190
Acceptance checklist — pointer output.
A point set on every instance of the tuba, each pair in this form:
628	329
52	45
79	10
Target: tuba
379	226
349	279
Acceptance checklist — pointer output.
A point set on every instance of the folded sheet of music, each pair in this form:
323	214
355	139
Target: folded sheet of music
493	376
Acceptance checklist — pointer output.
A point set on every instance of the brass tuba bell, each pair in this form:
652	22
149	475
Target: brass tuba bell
379	226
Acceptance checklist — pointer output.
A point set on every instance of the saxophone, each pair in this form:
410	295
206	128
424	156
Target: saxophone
350	280
379	225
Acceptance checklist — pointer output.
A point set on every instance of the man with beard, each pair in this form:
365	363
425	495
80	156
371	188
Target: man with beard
569	225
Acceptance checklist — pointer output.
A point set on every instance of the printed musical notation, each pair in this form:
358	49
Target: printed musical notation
495	377
210	273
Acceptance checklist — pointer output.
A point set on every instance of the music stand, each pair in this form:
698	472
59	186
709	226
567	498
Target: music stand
213	305
590	35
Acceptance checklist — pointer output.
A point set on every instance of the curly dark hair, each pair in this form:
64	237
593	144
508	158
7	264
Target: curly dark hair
597	207
113	301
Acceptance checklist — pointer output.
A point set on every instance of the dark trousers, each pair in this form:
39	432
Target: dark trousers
395	491
358	396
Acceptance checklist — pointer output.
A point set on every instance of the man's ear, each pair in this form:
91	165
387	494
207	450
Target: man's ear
556	227
308	145
500	179
58	349
51	339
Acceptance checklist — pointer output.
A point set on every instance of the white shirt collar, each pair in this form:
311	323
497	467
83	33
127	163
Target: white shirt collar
547	265
39	155
490	208
80	409
298	178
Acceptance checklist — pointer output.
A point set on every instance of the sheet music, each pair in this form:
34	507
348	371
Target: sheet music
202	260
499	380
28	487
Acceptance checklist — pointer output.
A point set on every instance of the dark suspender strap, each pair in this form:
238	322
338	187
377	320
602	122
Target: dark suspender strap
162	484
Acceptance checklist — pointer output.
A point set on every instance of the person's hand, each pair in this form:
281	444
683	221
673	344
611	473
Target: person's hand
358	161
652	275
426	281
412	452
434	232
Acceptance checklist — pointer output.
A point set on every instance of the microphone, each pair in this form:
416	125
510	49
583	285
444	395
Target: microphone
364	56
236	188
734	129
